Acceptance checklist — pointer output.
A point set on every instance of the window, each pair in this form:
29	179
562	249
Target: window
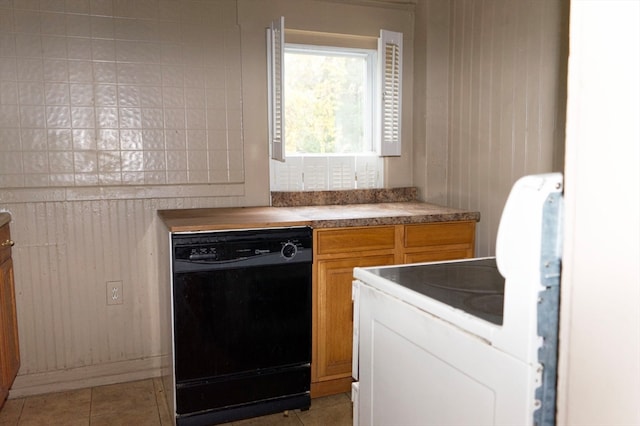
335	110
328	101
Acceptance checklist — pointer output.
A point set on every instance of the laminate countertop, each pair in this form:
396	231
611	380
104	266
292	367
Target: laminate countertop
322	216
4	218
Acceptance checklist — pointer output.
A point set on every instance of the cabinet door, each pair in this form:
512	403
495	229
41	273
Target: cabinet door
335	313
9	351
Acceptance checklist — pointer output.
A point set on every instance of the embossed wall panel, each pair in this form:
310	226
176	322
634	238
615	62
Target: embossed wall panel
120	93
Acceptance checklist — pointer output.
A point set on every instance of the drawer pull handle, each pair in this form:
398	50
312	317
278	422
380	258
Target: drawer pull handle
8	243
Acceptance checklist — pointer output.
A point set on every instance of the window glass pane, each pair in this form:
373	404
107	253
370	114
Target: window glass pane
327	101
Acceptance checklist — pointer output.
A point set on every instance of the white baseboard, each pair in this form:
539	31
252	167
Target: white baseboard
84	377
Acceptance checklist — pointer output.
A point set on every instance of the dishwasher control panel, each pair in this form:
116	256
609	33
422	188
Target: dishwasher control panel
275	245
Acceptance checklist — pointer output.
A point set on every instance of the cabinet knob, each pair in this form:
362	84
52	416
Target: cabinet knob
8	243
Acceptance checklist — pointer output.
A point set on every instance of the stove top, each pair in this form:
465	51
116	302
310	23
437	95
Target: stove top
474	286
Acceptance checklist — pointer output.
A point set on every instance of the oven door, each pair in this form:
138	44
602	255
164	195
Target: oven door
417	369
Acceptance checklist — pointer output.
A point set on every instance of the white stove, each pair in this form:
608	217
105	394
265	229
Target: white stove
471	342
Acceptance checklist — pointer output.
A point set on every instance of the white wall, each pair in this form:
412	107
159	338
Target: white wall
599	376
431	100
494	91
109	111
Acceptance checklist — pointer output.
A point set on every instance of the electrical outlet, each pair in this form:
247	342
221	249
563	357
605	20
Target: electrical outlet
115	293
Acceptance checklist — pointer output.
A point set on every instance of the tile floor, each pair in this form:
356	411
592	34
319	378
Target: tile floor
142	403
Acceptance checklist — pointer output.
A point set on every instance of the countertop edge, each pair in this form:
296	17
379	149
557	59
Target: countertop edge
4	218
235	227
395	220
202	220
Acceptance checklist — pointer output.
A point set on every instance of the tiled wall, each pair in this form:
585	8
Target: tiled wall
119	92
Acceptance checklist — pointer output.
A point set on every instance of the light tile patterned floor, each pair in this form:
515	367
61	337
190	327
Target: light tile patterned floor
142	403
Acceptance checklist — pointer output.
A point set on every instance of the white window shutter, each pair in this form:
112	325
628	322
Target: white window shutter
368	171
287	176
341	172
316	173
275	76
390	59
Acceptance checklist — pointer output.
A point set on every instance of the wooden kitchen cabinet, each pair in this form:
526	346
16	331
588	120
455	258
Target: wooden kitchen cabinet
336	252
9	350
427	242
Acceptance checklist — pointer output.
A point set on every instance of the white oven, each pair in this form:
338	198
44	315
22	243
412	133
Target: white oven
470	342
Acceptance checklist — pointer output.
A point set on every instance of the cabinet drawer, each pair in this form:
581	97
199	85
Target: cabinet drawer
436	234
5	236
438	255
349	240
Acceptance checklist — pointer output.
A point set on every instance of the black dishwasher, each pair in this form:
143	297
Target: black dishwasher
241	323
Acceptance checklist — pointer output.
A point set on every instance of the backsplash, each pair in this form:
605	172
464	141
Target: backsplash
352	196
96	93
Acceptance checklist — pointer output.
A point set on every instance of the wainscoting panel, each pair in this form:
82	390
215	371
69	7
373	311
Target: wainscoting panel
65	254
507	96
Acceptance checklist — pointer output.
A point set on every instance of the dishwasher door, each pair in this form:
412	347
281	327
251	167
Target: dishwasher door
241	320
